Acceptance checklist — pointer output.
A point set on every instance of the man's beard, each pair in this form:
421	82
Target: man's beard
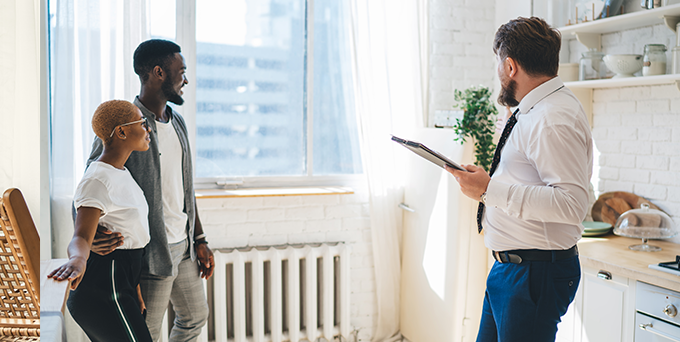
507	94
170	93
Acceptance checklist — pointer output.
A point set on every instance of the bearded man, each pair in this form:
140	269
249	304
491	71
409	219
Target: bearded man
534	198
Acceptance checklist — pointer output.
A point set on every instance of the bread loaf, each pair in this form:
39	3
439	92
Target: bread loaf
618	204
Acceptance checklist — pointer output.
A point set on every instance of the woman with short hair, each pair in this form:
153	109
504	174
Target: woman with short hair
105	299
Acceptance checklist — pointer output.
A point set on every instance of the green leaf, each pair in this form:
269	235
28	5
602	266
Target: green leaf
478	122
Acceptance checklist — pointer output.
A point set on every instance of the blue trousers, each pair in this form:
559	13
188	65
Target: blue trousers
524	302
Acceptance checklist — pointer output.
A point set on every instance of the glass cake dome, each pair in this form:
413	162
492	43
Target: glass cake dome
645	224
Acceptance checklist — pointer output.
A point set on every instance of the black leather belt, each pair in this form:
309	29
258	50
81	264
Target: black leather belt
519	255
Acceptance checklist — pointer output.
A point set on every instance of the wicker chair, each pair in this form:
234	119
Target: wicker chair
19	262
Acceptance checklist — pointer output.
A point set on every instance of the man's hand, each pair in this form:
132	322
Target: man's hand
105	241
473	183
140	299
206	261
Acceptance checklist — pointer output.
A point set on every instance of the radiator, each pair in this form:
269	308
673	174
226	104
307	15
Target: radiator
282	294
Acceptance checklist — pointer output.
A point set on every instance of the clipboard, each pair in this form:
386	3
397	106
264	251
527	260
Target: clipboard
428	153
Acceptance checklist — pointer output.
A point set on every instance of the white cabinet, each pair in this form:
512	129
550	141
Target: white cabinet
608	307
603	310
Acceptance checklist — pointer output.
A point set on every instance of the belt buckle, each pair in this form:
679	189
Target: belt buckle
505	257
514	258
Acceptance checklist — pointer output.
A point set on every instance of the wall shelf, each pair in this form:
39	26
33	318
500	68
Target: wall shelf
589	33
626	82
624	22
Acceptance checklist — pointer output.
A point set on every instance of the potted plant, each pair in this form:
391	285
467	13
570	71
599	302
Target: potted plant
477	123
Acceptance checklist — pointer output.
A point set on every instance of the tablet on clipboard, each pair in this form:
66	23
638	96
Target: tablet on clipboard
427	153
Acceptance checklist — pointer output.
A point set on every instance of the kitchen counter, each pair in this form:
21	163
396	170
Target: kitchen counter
610	252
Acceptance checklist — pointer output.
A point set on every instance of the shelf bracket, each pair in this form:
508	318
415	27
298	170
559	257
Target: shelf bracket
671	22
585	96
592	41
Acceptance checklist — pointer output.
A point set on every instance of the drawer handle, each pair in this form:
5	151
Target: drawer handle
406	207
602	274
650	328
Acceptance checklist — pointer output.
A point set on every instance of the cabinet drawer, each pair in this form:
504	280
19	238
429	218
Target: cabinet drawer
607	313
603	275
655	330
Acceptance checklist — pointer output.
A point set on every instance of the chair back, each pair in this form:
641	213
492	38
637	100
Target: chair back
19	262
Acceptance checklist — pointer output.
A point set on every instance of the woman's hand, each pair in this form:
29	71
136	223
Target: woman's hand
79	248
73	270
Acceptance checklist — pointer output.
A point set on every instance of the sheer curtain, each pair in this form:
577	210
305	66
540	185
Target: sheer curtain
92	42
390	73
23	149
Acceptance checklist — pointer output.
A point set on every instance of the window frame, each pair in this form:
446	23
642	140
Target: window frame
185	36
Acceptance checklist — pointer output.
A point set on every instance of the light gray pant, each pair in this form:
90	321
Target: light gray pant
184	290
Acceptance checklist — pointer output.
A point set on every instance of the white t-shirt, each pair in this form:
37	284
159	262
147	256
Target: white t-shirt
121	200
172	184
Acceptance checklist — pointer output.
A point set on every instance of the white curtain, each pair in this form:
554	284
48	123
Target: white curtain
92	43
390	74
22	148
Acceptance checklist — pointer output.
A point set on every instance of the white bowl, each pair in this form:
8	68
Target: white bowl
623	65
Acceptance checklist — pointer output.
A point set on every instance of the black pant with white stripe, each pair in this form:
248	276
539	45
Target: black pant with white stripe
105	303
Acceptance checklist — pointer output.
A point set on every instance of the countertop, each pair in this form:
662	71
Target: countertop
53	296
611	253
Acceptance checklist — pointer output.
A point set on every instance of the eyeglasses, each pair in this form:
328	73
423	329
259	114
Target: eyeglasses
143	121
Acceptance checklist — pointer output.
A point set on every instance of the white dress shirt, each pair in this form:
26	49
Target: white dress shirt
538	196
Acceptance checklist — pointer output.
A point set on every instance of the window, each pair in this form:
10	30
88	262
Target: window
274	96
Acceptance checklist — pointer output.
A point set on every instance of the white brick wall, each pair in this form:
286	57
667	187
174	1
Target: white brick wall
461	35
461	38
637	129
280	220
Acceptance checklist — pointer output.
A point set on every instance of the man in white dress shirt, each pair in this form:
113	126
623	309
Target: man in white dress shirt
535	197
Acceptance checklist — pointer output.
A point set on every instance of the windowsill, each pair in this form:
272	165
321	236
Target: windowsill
266	192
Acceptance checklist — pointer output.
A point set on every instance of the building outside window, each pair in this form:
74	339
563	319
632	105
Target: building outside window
270	100
274	97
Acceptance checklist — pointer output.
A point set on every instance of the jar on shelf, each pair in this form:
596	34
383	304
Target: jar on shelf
591	66
654	60
676	60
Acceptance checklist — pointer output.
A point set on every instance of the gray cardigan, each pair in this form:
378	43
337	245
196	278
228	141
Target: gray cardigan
145	168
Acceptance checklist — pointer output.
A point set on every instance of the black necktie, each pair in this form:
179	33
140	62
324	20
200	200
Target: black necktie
496	159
